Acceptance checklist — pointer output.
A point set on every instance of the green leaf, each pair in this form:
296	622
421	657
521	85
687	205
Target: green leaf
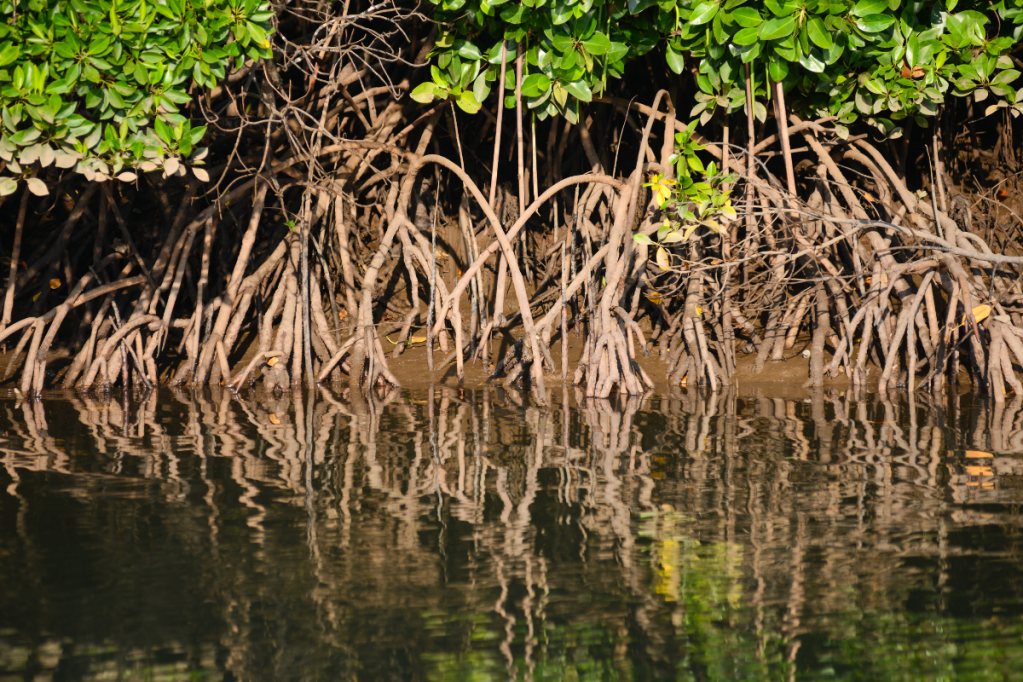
467	102
875	23
8	53
867	7
424	93
703	13
163	131
780	27
481	88
675	60
818	33
747	17
560	94
617	52
535	84
1006	77
177	96
778	69
812	62
514	14
580	90
746	36
599	44
642	239
563	43
467	50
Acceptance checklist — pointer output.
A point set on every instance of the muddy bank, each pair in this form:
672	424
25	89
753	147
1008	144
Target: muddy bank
786	376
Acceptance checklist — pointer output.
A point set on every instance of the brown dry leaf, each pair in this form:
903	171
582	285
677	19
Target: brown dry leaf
55	283
272	361
978	454
273	417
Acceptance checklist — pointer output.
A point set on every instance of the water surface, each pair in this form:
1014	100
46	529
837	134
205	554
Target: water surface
471	535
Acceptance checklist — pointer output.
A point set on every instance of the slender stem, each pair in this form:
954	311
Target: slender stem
750	134
523	187
307	326
518	129
502	266
724	150
15	257
783	132
534	172
500	119
458	139
938	168
433	292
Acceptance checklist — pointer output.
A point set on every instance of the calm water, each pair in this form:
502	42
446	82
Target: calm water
469	535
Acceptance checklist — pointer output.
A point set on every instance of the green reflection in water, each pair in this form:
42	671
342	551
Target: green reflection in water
458	535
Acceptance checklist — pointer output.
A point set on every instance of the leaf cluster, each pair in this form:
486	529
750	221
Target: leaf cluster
881	61
100	85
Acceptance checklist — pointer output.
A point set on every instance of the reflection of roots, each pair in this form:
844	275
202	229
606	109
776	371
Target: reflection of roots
642	499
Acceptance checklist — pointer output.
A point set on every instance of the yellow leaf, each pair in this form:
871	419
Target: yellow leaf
272	361
55	283
981	312
662	259
273	417
654	298
699	310
978	454
35	298
661	188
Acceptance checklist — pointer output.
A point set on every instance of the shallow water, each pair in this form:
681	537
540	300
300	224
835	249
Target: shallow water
470	535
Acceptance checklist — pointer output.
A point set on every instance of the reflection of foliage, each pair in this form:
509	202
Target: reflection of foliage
703	577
